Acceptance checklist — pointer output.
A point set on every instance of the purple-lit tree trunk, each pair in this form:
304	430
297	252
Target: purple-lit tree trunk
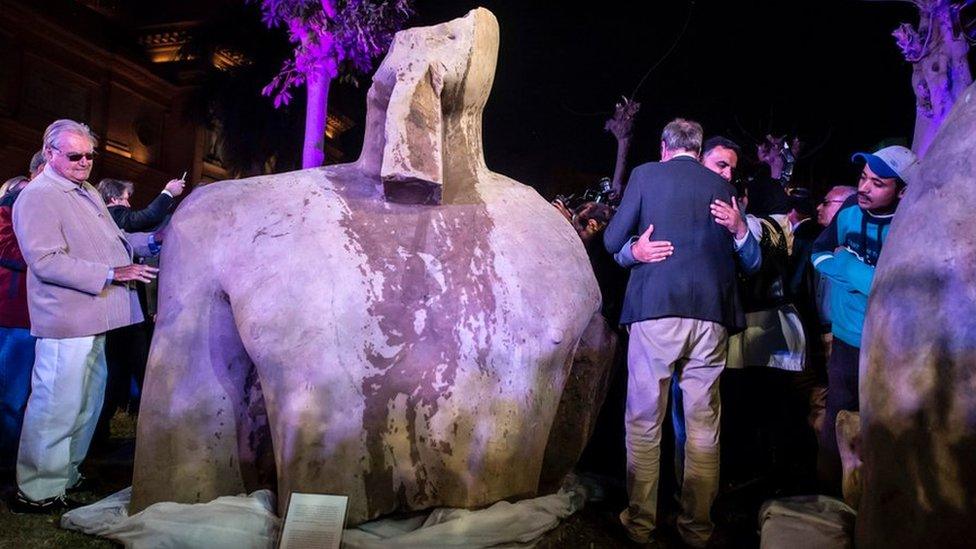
319	73
319	65
328	34
622	127
940	68
316	115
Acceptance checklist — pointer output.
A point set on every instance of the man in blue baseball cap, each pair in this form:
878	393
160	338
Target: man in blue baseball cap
846	253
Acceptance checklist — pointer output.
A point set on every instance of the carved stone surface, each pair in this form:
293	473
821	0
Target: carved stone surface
918	362
399	330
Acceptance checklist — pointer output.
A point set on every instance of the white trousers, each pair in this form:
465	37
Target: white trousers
67	390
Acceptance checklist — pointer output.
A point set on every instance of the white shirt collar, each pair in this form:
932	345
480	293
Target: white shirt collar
800	222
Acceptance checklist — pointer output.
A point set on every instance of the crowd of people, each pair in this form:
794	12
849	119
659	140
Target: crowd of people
743	303
73	336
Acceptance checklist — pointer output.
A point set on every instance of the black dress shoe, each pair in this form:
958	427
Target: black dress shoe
22	505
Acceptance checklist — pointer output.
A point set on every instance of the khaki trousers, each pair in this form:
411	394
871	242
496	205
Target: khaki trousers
694	350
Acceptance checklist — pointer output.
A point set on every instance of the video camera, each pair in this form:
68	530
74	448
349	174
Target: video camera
601	192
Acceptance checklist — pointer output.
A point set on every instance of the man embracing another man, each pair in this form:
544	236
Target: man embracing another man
680	312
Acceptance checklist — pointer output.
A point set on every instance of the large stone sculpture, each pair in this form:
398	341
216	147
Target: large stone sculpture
399	329
918	363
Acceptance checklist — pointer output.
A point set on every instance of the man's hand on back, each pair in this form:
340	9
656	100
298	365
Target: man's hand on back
729	217
134	272
646	250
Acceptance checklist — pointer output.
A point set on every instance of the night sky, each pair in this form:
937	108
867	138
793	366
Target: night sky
818	68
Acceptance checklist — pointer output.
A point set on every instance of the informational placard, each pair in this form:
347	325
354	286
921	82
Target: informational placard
313	521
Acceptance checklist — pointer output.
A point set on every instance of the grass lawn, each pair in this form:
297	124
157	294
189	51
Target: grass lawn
111	465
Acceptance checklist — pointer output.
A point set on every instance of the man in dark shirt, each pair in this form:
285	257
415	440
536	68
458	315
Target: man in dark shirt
116	194
127	348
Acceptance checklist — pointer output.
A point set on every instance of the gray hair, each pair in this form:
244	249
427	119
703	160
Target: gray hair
846	189
681	134
36	161
53	133
110	189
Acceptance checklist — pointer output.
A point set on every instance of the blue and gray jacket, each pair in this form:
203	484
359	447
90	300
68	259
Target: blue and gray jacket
861	235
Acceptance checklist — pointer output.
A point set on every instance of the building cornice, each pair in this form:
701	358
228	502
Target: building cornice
35	27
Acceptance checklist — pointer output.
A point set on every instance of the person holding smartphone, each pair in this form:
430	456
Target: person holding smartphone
127	347
116	194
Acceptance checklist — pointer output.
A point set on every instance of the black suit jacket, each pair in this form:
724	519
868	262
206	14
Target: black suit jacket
698	280
803	279
142	220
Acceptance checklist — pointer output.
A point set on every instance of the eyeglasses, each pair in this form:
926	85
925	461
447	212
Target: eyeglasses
825	202
75	157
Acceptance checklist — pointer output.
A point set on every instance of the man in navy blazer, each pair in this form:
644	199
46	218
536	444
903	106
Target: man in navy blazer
680	306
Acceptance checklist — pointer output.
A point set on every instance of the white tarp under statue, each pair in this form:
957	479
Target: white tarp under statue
250	522
400	330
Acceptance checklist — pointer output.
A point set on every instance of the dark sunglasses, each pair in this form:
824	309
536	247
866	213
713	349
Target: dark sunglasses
75	157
